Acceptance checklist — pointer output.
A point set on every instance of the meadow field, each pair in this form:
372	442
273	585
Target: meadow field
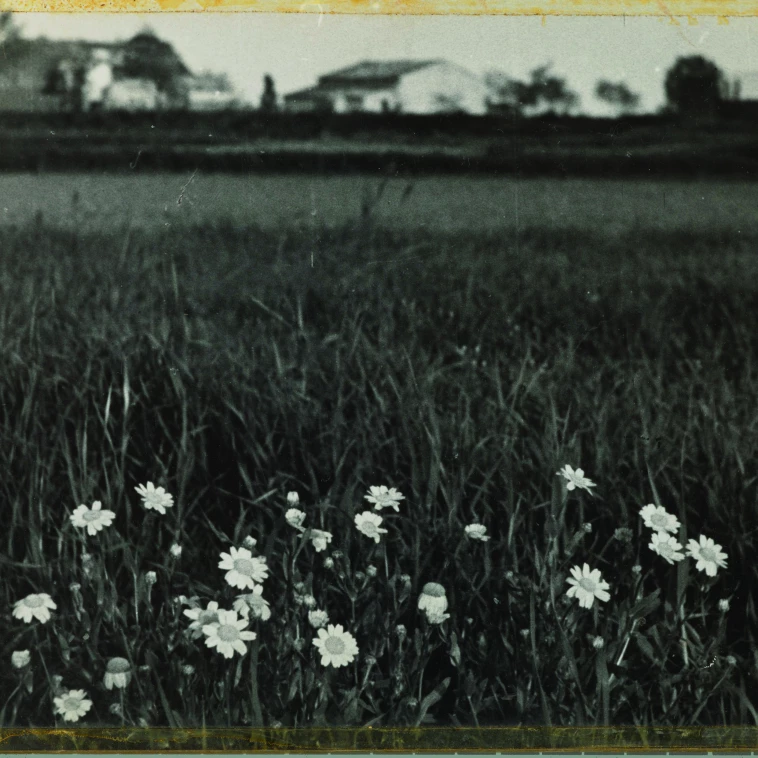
460	343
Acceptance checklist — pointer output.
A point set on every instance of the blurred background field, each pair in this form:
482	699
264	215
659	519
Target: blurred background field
103	202
461	345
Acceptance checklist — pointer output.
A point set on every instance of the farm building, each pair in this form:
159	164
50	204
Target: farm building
406	86
143	73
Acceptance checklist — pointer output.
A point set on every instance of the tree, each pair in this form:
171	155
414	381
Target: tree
543	92
617	95
694	85
268	98
8	28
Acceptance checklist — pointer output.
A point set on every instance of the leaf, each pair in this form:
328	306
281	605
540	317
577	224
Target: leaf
645	647
646	606
455	651
431	699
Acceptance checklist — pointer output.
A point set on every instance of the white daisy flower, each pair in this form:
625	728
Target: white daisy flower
253	602
227	635
293	498
318	619
320	539
477	532
34	606
20	658
72	705
587	585
242	570
92	519
658	518
708	555
575	479
118	673
432	599
201	618
337	647
368	523
666	546
295	518
382	497
155	498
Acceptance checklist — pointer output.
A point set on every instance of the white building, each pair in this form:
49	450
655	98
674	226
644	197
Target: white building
431	86
97	79
132	95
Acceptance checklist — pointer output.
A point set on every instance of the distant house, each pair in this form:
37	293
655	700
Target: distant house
143	73
44	75
405	86
210	92
132	95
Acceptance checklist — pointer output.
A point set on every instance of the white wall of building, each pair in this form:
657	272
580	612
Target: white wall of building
132	95
442	87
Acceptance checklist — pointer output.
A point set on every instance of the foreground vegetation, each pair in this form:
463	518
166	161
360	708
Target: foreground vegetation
234	366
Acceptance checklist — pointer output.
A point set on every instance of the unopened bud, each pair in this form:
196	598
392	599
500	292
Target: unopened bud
188	669
328	563
298	644
176	550
371	571
598	643
293	498
309	601
724	605
249	542
151	577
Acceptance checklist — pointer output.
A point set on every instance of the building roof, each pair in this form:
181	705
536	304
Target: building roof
372	71
305	94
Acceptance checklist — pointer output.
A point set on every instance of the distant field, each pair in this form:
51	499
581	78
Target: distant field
437	203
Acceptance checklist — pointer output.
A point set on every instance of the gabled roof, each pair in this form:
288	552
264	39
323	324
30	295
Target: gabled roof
368	71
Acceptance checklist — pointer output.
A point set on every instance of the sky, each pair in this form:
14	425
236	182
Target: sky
296	48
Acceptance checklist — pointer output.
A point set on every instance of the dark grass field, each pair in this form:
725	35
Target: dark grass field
235	363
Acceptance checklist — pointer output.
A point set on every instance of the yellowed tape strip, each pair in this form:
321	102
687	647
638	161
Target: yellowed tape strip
676	10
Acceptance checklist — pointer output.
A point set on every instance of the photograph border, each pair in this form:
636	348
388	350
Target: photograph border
528	739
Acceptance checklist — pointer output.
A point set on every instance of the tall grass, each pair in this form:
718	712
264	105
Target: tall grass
234	365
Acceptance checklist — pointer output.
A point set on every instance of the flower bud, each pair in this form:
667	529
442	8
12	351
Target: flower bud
724	605
328	563
637	569
20	658
731	660
188	669
176	550
151	577
293	498
401	632
598	643
249	542
359	576
371	571
309	601
298	644
299	587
